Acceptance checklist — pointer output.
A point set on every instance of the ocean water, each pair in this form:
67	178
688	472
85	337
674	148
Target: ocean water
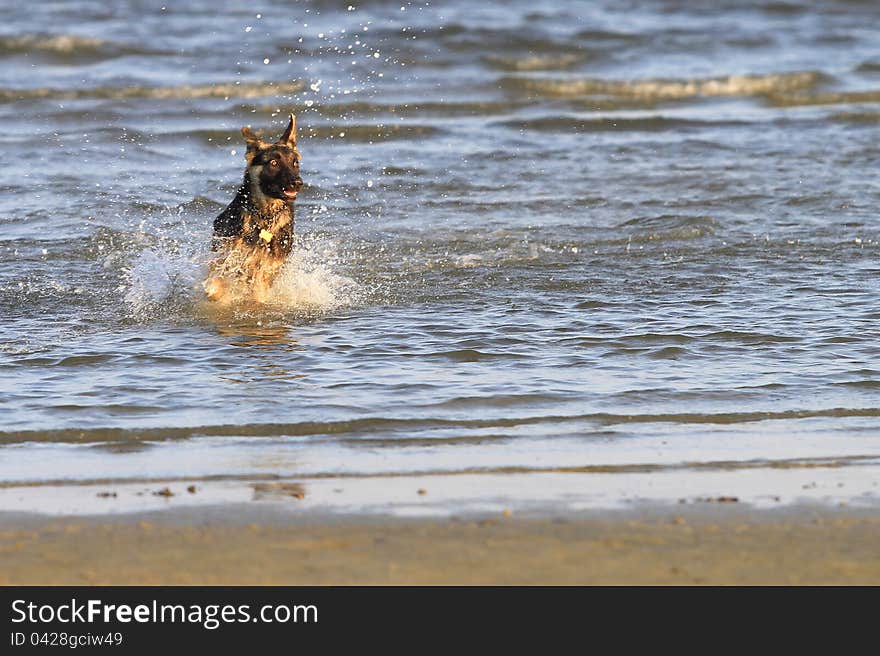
550	255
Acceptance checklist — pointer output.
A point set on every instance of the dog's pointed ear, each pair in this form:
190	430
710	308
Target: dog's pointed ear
289	136
254	143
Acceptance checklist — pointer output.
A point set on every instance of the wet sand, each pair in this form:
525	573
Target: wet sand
698	544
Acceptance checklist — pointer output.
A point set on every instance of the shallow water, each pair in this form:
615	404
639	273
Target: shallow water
575	253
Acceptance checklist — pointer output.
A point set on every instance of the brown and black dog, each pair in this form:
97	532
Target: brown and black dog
255	232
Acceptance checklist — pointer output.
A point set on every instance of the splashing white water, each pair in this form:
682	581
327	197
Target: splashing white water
160	278
307	281
162	281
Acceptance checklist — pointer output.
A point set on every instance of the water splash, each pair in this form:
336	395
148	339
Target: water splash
308	281
163	279
166	280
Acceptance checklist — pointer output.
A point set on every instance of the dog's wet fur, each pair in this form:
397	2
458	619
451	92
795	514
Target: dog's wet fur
254	234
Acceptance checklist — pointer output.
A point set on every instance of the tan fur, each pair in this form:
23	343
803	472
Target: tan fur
247	270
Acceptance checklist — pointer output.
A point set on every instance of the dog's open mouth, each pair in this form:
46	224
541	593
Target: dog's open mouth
289	193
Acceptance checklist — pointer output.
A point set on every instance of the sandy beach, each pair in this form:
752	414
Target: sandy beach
709	544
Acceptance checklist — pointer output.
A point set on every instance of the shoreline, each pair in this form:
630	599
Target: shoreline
238	544
444	494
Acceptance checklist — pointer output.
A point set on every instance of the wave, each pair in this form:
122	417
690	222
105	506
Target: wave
731	85
67	45
264	483
613	124
604	36
184	91
370	133
415	108
535	62
668	228
830	98
869	118
374	425
343	132
868	66
785	8
462	38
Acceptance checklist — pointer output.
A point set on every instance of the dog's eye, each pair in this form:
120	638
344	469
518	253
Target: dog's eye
273	163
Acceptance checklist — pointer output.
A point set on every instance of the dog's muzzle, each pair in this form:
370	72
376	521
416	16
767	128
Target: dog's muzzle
291	192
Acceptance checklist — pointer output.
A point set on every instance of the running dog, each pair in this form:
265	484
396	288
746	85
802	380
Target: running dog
254	234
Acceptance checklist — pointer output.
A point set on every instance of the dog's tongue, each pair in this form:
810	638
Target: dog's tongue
289	193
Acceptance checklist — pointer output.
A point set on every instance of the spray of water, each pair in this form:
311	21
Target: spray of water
166	279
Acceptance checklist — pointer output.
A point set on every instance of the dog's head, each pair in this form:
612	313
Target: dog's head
274	168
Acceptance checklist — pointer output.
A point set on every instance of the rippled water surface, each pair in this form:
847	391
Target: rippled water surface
574	253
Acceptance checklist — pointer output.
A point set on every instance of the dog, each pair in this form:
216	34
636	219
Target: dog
254	234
